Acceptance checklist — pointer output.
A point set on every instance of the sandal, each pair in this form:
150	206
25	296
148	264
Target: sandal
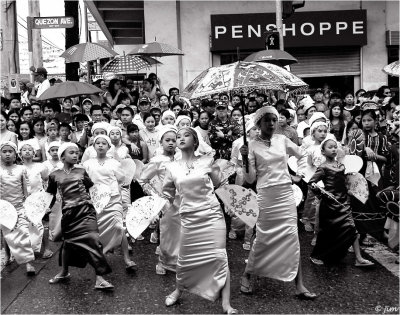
231	311
172	298
363	263
131	266
306	295
160	270
47	254
246	286
57	278
104	285
30	270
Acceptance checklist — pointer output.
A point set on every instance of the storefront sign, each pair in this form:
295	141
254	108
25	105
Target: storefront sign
303	29
53	22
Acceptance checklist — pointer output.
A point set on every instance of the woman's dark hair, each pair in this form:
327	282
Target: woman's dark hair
184	112
237	109
341	117
24	109
106	116
111	87
19	124
4	114
285	112
14	111
131	128
349	125
98	82
370	112
81	117
147	115
194	109
36	120
355	112
197	122
381	90
358	91
176	104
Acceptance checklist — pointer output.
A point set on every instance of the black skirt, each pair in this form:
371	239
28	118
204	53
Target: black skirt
81	239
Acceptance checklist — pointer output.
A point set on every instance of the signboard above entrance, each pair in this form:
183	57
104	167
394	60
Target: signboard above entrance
53	22
303	29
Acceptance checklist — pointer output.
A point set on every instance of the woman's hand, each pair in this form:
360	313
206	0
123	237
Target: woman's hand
370	154
244	150
135	148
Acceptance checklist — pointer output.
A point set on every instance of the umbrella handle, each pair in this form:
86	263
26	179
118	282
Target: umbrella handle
245	158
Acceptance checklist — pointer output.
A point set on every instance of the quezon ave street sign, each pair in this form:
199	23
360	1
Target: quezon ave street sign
53	22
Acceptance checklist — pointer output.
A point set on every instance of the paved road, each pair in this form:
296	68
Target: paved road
342	289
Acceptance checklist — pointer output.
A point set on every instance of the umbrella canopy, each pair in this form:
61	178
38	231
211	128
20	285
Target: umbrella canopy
69	88
392	69
128	64
242	77
155	49
86	52
275	56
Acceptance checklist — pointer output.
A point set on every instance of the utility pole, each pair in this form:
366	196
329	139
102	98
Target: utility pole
9	37
36	56
72	38
278	15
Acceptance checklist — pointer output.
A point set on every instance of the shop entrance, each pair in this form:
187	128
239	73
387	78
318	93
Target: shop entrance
340	84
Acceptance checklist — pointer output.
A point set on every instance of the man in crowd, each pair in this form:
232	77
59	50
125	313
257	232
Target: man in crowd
40	76
223	131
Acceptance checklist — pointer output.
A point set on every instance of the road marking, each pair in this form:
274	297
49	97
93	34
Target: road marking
383	255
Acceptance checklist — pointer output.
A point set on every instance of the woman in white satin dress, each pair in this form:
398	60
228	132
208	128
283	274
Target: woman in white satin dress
202	266
170	223
276	249
107	171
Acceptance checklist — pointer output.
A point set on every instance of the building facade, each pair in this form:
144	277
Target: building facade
342	44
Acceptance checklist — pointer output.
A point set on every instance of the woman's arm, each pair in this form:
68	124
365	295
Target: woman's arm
113	101
145	152
250	176
38	156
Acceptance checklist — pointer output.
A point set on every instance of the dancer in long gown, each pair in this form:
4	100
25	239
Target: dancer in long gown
107	171
78	224
13	189
276	249
337	231
202	266
170	223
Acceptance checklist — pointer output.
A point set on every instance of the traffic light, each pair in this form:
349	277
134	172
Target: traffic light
288	7
272	40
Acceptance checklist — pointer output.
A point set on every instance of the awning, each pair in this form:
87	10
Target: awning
122	22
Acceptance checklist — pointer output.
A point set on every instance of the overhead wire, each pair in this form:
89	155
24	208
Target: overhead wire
45	39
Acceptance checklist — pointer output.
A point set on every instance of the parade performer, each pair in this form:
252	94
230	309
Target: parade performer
37	176
170	223
202	266
55	212
107	171
337	231
78	224
13	189
276	249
